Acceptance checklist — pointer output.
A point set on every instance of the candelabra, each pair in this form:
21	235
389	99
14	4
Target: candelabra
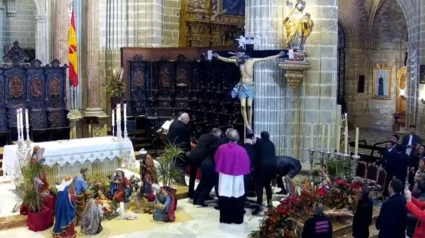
328	158
322	158
125	129
119	133
311	156
338	157
348	167
113	130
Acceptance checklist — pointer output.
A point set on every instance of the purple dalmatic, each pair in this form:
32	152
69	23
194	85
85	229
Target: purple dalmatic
232	159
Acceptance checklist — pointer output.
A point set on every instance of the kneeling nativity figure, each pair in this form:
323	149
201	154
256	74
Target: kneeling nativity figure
164	205
92	218
65	210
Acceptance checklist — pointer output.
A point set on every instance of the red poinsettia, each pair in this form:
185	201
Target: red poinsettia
340	182
321	191
355	185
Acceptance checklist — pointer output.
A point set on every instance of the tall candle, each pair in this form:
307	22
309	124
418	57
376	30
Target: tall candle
346	120
311	135
338	138
27	121
328	147
21	119
18	124
118	112
113	117
322	144
125	111
356	145
346	141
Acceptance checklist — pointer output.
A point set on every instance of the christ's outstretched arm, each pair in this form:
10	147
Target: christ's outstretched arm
228	60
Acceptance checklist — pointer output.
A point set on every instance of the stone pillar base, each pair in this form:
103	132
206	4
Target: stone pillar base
95	122
74	117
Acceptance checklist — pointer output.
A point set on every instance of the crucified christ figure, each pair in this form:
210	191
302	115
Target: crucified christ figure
245	89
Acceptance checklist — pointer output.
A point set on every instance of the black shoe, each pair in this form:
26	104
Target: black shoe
209	198
257	211
202	204
216	207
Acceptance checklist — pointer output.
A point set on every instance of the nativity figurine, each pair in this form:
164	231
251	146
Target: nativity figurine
92	218
164	208
65	210
82	192
245	89
298	26
119	188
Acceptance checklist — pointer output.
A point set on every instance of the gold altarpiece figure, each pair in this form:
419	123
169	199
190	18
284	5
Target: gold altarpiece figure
211	22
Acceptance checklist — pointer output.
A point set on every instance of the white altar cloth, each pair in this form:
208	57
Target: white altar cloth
69	152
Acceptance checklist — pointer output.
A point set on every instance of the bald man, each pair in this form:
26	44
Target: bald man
179	135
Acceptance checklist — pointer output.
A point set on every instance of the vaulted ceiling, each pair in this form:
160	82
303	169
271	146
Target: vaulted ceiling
372	22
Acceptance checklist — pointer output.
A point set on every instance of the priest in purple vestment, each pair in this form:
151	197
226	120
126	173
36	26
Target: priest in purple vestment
232	163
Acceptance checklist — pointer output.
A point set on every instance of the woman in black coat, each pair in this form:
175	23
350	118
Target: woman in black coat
363	216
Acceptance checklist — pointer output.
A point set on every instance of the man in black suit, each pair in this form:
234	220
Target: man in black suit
390	159
391	221
410	140
249	178
209	177
286	166
199	154
179	135
266	170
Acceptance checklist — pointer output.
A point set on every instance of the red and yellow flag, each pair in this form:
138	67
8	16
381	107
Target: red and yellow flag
73	55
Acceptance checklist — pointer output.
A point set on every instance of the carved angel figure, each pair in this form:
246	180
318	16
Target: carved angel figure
298	26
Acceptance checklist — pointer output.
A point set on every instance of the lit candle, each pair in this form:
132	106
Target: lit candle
113	117
311	135
356	145
18	124
338	138
27	121
346	141
21	119
328	147
125	111
322	144
118	112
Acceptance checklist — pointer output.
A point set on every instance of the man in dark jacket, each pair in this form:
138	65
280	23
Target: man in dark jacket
410	140
318	226
419	193
179	135
391	221
286	166
199	154
266	169
390	160
209	177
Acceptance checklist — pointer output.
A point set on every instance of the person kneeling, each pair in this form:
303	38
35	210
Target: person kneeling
287	167
164	205
92	218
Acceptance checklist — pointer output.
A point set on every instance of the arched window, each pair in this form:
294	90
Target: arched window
341	64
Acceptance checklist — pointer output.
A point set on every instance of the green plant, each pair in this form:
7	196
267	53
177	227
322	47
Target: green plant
167	170
33	199
116	86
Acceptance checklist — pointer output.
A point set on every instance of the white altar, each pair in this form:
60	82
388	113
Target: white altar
101	155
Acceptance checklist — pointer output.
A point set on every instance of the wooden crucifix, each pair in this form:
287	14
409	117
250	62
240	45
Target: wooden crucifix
245	89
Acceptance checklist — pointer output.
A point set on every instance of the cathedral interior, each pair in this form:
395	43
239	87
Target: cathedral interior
366	61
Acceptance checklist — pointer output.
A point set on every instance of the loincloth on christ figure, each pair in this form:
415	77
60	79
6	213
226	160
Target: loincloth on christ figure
242	90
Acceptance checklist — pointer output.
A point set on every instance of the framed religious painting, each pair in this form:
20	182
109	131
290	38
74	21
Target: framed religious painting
381	82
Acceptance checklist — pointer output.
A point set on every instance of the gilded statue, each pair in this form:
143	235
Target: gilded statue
298	26
245	89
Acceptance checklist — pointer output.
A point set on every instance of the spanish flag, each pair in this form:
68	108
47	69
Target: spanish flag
73	55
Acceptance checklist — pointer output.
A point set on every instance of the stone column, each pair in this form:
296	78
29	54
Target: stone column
94	109
60	33
42	42
284	112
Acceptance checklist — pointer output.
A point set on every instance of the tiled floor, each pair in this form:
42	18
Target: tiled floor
205	225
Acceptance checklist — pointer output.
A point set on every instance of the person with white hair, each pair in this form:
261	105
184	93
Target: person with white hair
179	135
65	210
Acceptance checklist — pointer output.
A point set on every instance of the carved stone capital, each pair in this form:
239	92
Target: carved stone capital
74	115
294	71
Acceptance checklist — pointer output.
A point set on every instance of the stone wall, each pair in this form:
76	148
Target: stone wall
383	43
171	23
21	27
